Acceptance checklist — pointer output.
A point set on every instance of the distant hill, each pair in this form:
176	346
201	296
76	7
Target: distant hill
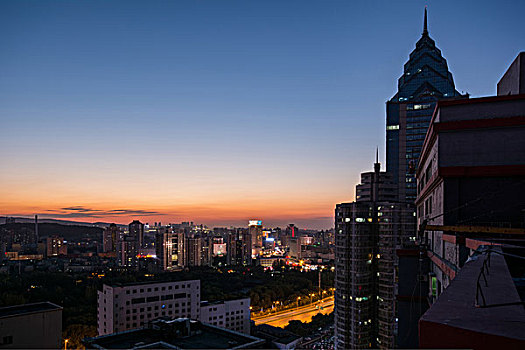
58	221
69	232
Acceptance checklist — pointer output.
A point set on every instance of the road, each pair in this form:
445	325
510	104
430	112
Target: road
303	314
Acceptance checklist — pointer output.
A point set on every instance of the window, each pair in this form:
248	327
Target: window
392	127
7	340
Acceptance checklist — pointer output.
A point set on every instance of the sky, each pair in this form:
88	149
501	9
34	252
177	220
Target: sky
217	111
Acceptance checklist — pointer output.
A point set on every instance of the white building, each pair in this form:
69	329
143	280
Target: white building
233	314
122	307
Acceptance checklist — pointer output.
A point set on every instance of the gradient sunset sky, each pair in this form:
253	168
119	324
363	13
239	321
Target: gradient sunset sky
217	111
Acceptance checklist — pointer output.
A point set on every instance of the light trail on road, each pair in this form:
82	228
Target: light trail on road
303	314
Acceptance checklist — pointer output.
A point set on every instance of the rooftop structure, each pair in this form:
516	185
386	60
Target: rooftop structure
27	326
462	318
181	333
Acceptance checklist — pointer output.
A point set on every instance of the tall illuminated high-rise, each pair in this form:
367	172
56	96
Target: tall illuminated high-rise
255	231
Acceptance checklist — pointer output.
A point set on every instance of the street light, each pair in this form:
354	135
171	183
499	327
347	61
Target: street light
65	343
298	298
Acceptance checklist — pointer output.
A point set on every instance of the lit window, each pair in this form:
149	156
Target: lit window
392	127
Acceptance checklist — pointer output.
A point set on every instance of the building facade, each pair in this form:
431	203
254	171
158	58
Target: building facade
230	314
463	181
136	230
425	80
123	307
55	246
470	208
110	238
170	248
255	231
385	185
31	326
127	251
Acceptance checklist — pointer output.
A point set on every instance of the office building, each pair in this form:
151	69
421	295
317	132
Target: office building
181	333
425	80
122	307
367	234
31	326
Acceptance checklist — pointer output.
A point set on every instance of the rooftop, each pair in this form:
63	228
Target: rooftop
180	333
131	284
28	309
466	317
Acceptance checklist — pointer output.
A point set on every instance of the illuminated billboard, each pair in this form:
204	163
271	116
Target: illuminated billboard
255	223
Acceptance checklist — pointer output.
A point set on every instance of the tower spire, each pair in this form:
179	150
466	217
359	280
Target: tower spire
425	30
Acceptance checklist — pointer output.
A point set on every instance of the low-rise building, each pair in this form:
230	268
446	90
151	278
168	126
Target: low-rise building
123	307
31	326
232	314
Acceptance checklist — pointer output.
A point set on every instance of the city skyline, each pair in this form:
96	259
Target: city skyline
216	114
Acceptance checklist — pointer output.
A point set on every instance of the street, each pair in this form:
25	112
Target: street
303	314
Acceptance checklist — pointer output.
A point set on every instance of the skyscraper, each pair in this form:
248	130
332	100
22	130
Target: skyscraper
367	234
425	80
255	231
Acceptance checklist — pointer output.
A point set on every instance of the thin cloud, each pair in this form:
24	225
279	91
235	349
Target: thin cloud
83	212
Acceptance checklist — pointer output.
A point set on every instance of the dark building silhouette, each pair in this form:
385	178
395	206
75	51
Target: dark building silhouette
425	80
110	238
367	234
385	186
136	230
513	81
